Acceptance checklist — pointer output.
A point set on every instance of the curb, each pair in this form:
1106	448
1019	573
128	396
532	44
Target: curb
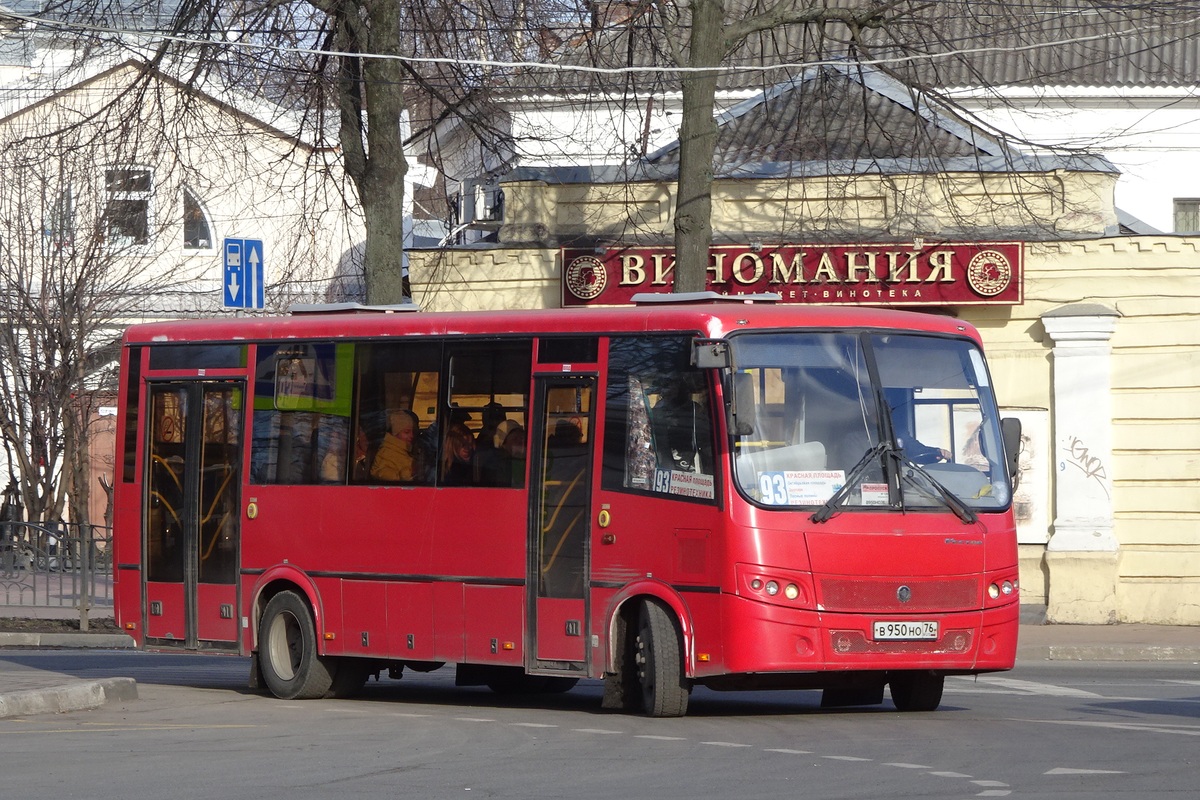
77	696
1113	652
111	641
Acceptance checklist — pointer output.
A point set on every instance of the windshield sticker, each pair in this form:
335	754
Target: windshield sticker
685	484
799	487
874	494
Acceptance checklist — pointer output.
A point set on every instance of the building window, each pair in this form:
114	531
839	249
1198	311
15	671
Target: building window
197	233
1187	215
58	226
127	206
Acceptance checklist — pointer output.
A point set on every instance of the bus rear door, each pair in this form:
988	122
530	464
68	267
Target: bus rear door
191	522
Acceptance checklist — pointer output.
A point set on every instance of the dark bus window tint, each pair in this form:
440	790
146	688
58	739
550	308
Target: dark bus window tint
302	400
395	422
486	415
658	419
133	385
570	350
197	356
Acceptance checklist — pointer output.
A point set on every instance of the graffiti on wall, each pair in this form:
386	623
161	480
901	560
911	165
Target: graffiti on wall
1092	467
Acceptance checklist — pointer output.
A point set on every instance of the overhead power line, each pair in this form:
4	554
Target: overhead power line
61	25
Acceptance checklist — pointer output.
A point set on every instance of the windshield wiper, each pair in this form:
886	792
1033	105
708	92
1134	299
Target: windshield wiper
952	501
823	513
885	448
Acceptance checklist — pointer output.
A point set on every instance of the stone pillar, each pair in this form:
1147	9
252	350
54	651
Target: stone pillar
1082	553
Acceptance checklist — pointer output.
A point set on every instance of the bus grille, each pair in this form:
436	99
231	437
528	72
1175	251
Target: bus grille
883	594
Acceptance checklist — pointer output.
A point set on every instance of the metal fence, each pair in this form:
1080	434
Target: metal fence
60	566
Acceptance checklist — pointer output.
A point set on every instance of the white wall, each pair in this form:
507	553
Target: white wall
1152	136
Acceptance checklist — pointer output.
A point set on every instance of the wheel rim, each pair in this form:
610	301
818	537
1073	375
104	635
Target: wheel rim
644	659
285	646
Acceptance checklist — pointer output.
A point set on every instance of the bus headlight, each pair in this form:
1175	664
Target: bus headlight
772	588
791	591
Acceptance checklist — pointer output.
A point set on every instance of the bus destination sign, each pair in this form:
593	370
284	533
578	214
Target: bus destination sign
913	274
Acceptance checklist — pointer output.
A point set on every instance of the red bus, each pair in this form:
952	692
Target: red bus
730	495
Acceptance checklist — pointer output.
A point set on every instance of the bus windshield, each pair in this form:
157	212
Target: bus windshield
808	421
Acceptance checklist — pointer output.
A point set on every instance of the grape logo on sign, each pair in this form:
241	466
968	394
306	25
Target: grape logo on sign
989	273
586	277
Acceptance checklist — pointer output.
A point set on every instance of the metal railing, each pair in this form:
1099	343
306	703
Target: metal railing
58	565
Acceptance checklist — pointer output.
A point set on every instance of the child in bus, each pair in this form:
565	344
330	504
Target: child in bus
394	460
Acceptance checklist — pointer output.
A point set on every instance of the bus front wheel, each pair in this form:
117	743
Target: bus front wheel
287	650
916	691
658	656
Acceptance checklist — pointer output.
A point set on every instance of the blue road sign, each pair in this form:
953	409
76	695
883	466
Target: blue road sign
242	272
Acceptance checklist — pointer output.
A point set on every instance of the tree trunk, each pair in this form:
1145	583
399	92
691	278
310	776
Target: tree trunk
372	107
697	142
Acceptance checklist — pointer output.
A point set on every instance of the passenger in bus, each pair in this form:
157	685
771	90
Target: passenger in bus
493	415
679	426
334	461
502	463
514	449
458	453
394	460
487	446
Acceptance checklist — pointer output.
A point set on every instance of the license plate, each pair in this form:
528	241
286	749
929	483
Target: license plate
906	630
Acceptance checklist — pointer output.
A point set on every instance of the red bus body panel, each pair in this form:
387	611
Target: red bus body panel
423	574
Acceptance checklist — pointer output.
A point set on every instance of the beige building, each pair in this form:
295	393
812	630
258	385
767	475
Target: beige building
1093	344
121	186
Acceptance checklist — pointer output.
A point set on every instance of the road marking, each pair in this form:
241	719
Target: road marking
474	719
989	783
995	793
1137	727
1014	685
1070	771
847	758
902	765
947	774
102	728
596	730
726	744
531	725
788	752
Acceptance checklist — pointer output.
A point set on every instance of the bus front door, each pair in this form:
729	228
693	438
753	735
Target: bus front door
191	525
560	522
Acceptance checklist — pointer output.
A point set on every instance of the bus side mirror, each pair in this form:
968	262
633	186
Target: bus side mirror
1010	431
743	411
710	354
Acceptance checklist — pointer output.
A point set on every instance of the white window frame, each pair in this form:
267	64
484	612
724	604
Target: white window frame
1189	207
211	246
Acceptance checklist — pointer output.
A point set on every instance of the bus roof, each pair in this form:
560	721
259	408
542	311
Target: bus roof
709	319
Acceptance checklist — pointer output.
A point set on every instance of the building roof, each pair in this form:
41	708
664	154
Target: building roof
841	112
840	118
1034	43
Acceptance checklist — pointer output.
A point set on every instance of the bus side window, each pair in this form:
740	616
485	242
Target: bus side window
398	384
658	419
487	411
301	414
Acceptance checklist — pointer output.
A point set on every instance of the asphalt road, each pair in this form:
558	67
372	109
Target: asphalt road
1045	730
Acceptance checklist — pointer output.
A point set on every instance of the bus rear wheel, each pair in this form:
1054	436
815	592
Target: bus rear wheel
287	650
916	691
658	656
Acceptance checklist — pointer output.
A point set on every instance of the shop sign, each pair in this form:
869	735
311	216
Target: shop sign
955	273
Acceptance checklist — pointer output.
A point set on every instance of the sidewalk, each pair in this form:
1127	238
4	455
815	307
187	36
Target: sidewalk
25	690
